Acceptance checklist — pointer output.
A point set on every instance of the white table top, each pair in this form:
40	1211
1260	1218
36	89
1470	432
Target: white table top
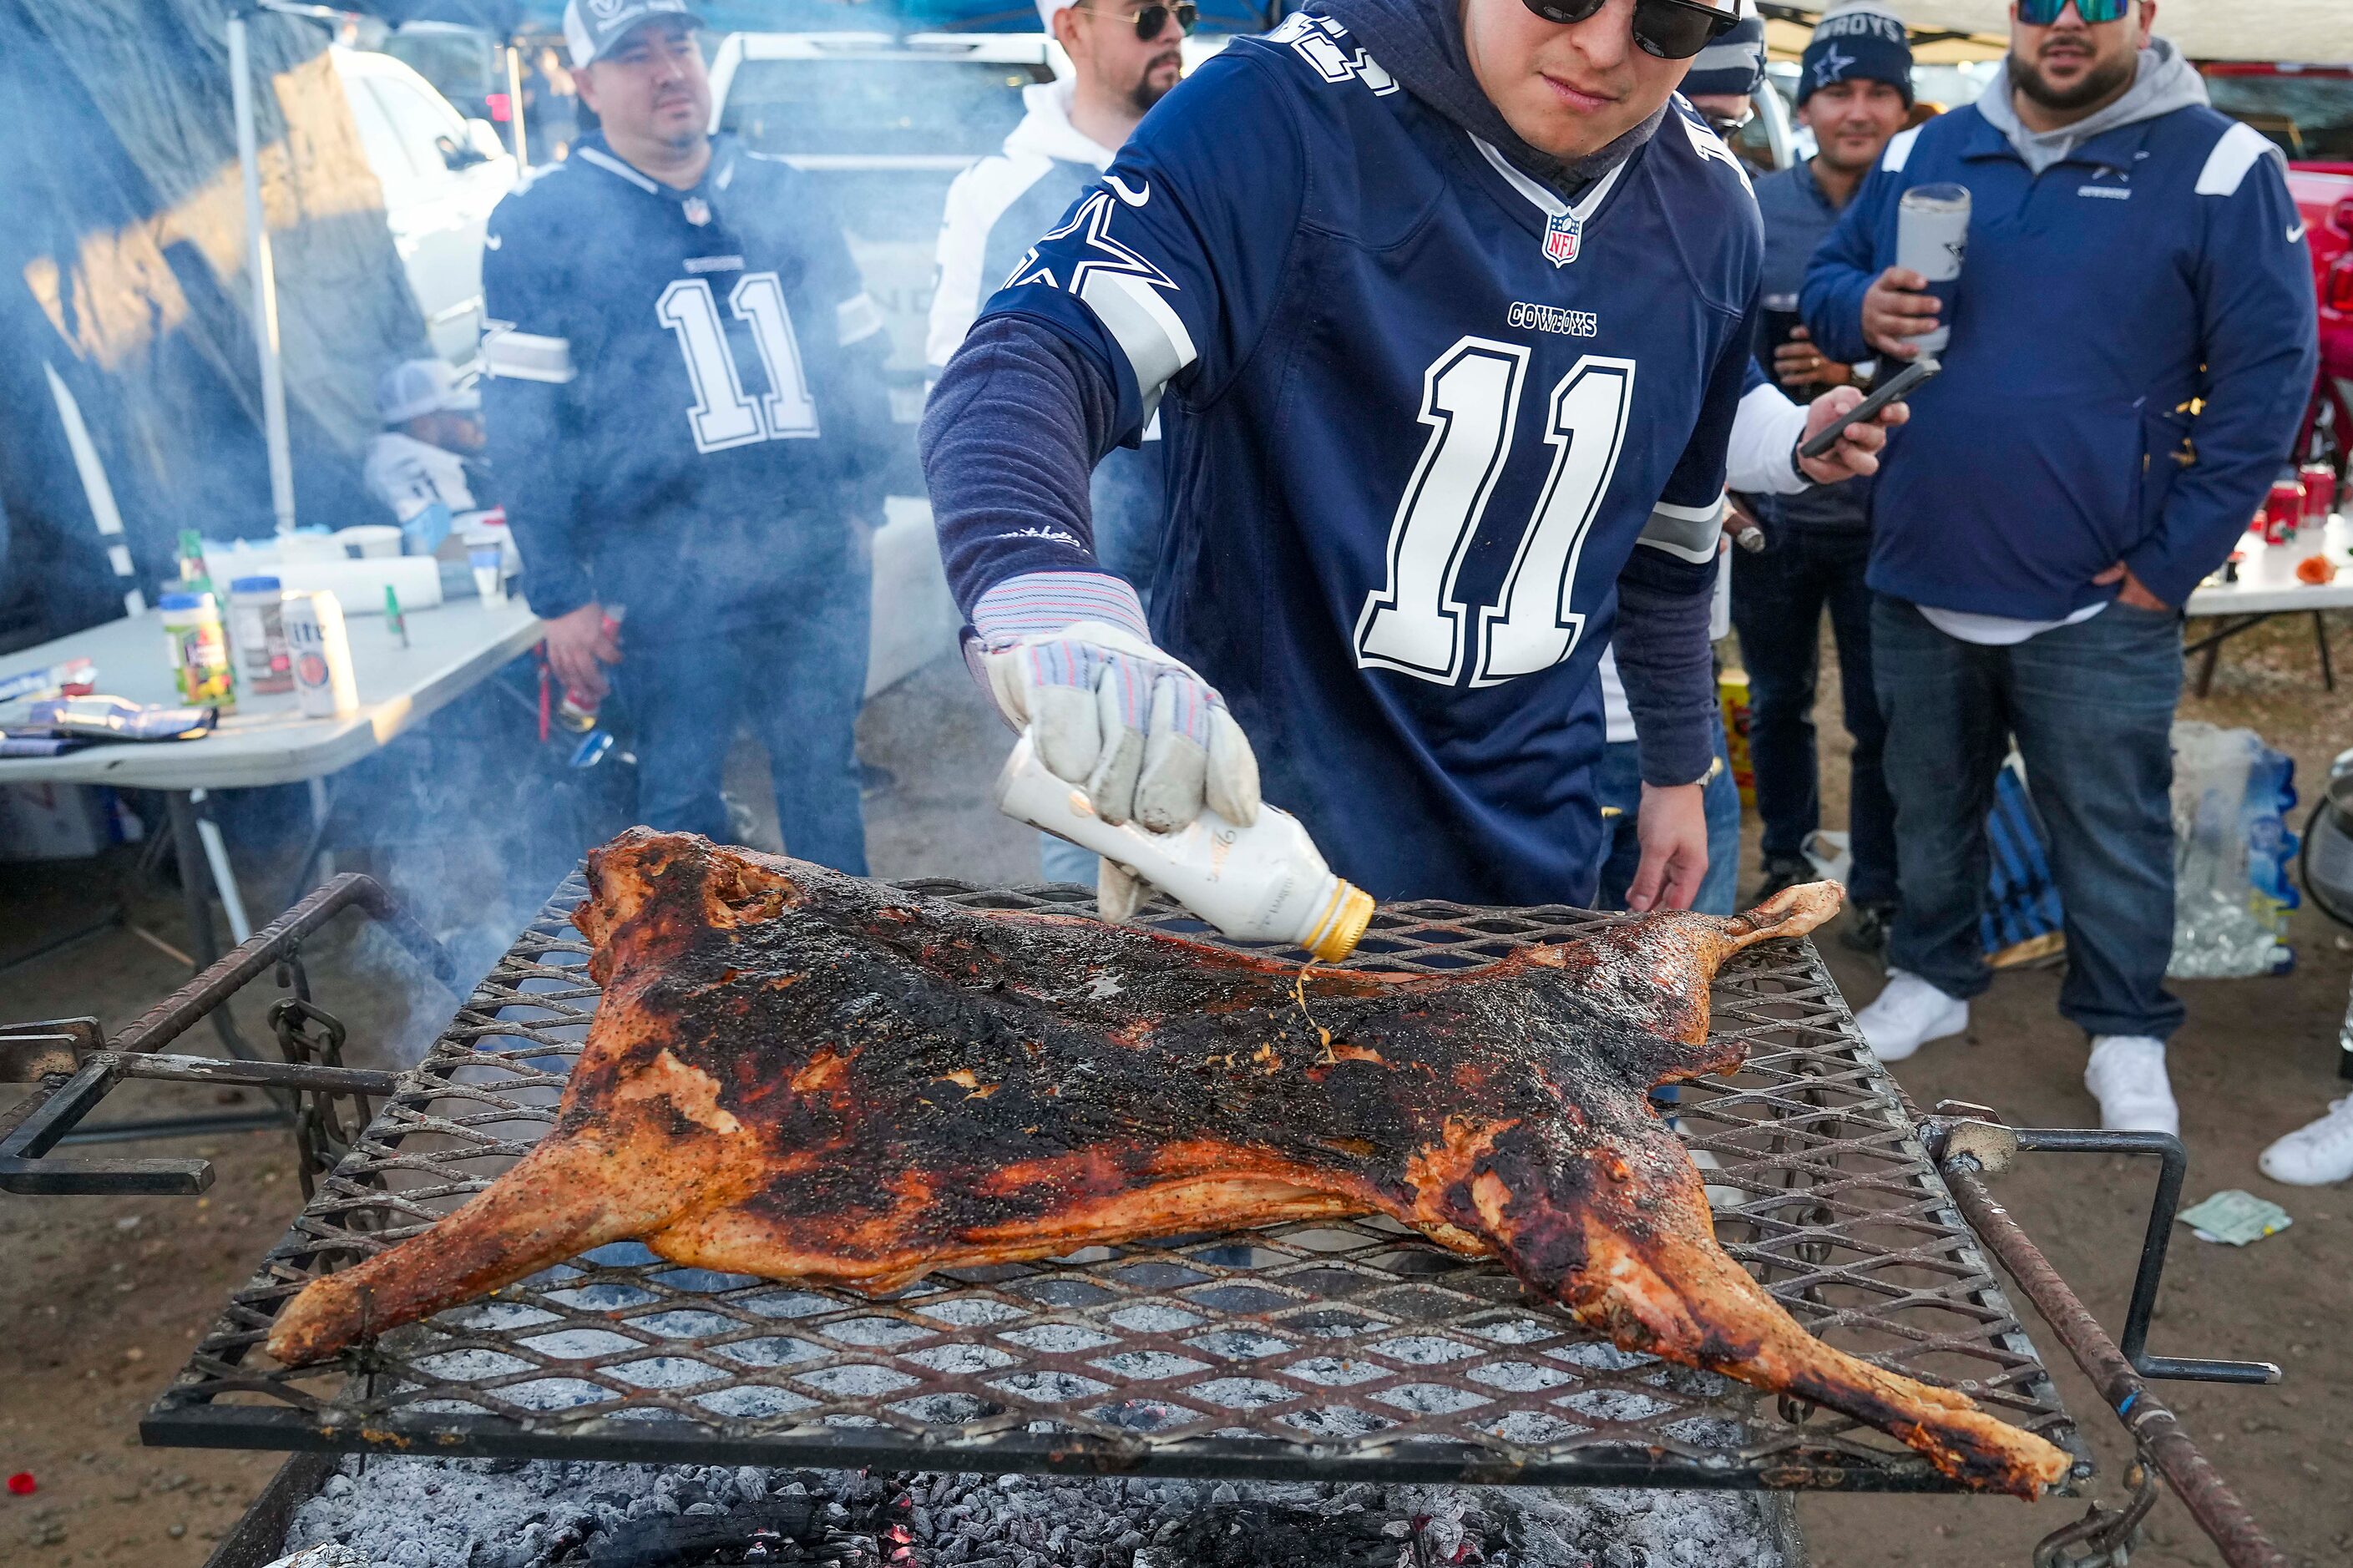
267	740
2267	583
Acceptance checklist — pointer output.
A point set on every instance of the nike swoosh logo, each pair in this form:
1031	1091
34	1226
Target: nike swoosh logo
2297	233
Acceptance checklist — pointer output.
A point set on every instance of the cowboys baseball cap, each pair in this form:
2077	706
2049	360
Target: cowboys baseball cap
594	28
421	387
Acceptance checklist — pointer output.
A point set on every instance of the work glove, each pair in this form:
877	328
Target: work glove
1067	657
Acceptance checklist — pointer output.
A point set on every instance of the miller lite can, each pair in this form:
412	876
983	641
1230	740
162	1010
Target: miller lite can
322	655
2320	481
2283	509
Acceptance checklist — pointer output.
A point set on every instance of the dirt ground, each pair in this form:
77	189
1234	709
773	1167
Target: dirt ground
102	1297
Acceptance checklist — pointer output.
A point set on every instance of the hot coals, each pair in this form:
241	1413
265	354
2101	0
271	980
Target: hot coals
467	1513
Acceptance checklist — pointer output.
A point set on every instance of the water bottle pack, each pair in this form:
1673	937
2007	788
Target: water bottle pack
2232	849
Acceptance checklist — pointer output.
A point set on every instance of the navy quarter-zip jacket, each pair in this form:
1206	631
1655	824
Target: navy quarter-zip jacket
2134	342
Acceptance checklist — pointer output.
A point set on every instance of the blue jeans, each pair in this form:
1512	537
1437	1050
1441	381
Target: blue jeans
1617	780
1779	595
2091	706
797	684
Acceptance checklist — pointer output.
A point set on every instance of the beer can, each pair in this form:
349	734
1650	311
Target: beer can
322	653
2320	481
2283	510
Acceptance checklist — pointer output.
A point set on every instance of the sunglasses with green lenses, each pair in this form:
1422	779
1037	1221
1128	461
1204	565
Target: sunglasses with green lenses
1670	29
2042	13
1151	20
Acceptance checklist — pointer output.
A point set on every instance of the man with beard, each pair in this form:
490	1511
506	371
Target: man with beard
2133	342
1124	60
1445	314
687	413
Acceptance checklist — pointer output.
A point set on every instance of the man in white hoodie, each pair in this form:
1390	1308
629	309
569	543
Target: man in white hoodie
1124	60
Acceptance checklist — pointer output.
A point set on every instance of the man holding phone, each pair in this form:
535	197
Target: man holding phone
2133	255
1855	90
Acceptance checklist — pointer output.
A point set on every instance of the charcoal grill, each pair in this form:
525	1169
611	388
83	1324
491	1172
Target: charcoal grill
1346	1350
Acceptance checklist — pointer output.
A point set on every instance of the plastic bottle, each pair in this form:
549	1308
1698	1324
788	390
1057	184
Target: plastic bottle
1267	880
256	620
195	577
198	649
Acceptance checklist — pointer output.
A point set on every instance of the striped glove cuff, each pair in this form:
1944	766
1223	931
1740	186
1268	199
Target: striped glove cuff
1039	603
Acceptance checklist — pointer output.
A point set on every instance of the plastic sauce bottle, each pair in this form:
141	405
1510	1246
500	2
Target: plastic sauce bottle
199	648
1267	880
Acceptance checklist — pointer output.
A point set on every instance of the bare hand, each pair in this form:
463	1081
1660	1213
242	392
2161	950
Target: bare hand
1859	445
576	644
1798	362
1893	310
1672	828
2133	593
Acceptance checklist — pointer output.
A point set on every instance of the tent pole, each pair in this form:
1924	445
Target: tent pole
514	109
265	282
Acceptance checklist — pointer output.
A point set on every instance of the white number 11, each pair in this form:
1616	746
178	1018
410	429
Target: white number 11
1469	398
723	415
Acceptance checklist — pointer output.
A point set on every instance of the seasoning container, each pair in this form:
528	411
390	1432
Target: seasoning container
1266	881
257	630
198	645
322	653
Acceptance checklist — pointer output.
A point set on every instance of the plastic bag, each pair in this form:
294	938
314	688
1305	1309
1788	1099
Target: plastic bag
2232	848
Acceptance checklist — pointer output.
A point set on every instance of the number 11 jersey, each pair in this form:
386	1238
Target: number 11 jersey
1421	413
688	383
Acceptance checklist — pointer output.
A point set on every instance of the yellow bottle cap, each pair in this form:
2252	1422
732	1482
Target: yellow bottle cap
1343	923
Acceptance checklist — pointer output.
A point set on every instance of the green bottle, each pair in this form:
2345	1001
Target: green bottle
195	577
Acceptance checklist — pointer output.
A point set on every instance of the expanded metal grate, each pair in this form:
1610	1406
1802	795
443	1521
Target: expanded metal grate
1349	1349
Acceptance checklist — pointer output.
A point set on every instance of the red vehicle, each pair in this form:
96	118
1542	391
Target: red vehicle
2309	111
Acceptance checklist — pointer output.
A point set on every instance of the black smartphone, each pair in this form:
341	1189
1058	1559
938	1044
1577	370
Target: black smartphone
1891	390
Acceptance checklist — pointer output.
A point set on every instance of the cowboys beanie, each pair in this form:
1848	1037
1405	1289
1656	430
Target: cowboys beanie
1734	63
1855	43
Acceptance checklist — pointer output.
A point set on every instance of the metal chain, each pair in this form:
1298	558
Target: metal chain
2102	1538
323	1136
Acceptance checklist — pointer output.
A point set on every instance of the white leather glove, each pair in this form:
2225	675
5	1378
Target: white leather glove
1067	657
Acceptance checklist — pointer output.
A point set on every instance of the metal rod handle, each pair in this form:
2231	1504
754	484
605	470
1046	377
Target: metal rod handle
2211	1500
179	1012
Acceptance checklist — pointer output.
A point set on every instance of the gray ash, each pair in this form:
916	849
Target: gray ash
501	1513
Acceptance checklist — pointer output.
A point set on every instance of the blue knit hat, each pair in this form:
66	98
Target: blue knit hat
1858	42
1734	63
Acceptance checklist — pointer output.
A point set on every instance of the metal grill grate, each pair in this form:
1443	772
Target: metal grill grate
1347	1348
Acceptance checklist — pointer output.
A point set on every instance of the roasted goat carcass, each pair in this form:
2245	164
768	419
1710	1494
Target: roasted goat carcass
802	1075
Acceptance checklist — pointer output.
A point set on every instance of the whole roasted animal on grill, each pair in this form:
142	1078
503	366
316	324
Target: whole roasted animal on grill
802	1075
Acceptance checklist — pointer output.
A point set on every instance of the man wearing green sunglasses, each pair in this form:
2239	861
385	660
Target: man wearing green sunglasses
2132	343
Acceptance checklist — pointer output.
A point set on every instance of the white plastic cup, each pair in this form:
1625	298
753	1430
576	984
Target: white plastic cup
485	552
1932	238
369	540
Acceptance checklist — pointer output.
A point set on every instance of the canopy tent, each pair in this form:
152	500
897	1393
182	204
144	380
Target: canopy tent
2309	32
123	282
510	18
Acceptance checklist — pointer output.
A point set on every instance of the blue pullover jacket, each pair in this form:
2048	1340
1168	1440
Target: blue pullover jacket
2151	265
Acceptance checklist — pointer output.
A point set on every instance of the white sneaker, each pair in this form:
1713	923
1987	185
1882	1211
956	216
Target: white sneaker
2318	1155
1908	1014
2127	1076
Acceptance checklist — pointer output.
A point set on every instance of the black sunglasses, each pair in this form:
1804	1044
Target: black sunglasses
1670	29
1152	18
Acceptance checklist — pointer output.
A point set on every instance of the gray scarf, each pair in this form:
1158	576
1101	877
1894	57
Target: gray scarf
1419	42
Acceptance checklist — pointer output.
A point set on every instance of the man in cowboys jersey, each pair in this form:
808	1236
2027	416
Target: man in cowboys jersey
1445	318
686	406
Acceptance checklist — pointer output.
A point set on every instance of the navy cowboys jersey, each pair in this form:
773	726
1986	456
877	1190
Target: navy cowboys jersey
684	396
1420	415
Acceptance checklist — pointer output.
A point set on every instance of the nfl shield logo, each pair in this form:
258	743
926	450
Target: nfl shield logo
698	211
1562	234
